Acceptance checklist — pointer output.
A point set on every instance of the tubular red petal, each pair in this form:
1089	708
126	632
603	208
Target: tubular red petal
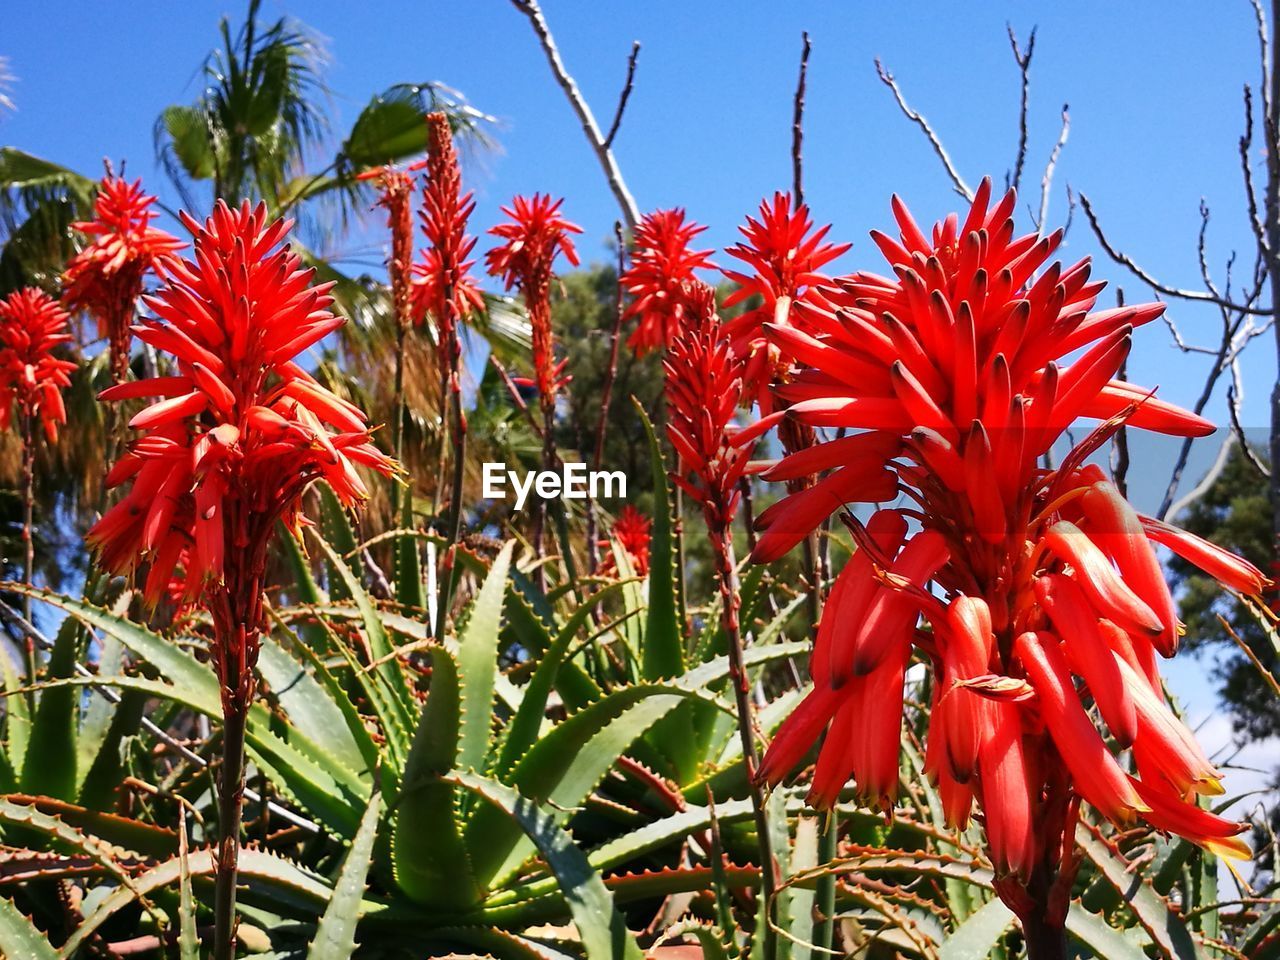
891	619
1097	776
1225	567
1007	793
1089	654
851	595
1150	414
1174	815
168	411
1095	574
1115	527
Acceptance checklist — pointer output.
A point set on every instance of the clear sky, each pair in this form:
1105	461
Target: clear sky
1154	89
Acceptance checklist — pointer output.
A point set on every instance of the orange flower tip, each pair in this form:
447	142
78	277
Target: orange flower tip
1209	787
1229	848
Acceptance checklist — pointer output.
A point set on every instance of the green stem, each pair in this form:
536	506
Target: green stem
824	927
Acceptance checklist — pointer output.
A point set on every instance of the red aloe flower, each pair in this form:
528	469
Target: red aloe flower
239	435
704	386
1040	586
536	234
661	266
241	430
442	278
786	256
105	278
32	326
632	530
395	195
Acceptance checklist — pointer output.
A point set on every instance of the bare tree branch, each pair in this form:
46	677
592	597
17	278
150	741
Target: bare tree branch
1206	482
1250	191
797	124
625	95
1126	261
630	212
1235	396
1120	444
1264	54
1046	181
1023	59
957	181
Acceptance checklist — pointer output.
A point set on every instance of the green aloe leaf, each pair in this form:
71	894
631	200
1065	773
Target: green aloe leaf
259	870
50	766
328	789
663	653
602	929
978	936
335	937
430	859
522	732
110	828
562	769
336	529
1095	934
478	663
17	717
188	937
388	671
532	632
309	706
1156	915
410	590
19	936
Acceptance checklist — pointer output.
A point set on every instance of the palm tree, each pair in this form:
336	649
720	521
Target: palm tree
259	128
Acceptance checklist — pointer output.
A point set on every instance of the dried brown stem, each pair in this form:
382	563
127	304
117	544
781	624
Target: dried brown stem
1198	296
722	541
625	95
1023	59
886	77
797	122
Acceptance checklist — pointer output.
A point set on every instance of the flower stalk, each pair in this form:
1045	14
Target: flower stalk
704	386
228	447
33	327
536	234
445	291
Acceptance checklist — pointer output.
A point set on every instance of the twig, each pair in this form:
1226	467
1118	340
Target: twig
957	181
1120	465
1126	261
1234	397
1264	55
610	376
603	152
1023	59
615	338
797	123
514	391
1250	191
625	95
1206	482
1046	181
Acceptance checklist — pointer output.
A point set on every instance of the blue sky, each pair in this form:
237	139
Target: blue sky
1154	89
